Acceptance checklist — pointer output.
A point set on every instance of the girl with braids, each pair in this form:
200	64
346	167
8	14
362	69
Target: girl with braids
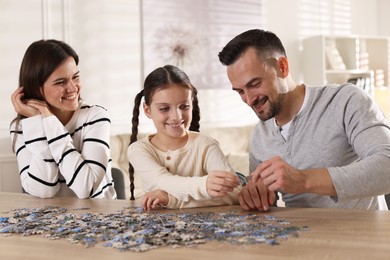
61	142
178	166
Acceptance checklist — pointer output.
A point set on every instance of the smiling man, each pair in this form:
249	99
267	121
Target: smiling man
325	146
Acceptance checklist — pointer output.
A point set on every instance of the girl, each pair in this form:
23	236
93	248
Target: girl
178	166
61	143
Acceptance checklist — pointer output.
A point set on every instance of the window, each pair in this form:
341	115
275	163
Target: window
189	34
329	17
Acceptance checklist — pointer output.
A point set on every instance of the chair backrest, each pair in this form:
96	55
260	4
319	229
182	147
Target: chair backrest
119	183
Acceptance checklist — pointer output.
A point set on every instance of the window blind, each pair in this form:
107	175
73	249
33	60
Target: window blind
324	17
190	34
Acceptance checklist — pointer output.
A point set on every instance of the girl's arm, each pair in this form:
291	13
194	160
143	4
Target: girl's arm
230	199
184	188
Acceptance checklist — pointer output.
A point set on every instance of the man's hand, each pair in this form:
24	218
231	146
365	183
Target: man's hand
255	195
277	175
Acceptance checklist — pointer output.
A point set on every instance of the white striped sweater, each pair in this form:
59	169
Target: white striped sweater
70	160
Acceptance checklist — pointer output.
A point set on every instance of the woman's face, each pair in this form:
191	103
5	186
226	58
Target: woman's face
62	89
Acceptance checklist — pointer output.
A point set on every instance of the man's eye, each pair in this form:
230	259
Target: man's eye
256	85
240	92
164	109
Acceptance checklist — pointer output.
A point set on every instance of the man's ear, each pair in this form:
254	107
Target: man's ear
282	65
146	109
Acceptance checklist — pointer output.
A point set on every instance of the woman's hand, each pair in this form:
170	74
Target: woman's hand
20	106
220	183
155	198
29	107
41	106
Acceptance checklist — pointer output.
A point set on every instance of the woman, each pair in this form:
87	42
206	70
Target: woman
61	142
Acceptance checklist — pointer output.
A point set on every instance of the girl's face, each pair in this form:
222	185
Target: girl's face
171	110
62	89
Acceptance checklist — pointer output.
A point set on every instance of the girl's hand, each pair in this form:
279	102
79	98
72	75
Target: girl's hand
220	183
155	198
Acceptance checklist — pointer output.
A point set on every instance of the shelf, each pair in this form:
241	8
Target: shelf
358	56
356	72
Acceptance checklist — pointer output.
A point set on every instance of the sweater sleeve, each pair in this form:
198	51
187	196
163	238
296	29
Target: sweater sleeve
85	166
369	134
230	199
50	157
183	188
155	176
38	172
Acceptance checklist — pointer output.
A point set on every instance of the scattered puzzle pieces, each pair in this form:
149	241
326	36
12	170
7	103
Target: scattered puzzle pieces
133	229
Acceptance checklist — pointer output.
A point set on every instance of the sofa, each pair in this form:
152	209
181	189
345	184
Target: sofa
234	142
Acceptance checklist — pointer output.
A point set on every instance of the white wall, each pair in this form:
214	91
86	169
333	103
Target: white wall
383	7
285	18
90	31
106	35
111	68
365	18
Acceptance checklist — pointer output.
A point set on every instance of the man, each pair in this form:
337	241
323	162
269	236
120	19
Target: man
323	146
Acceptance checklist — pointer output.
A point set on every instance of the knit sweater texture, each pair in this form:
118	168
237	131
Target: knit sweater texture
181	173
341	129
70	160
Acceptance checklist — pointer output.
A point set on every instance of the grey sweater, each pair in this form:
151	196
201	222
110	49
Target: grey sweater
341	129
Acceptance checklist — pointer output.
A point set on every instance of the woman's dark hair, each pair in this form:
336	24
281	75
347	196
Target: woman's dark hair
39	62
266	44
159	79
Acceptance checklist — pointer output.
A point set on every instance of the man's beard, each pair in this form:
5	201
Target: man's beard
274	108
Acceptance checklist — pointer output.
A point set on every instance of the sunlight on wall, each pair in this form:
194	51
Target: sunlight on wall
189	34
107	36
331	17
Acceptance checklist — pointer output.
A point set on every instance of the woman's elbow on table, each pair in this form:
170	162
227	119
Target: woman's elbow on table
43	194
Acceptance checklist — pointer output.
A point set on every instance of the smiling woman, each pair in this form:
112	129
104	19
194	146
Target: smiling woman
61	92
61	142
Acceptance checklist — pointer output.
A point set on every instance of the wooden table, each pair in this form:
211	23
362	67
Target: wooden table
333	234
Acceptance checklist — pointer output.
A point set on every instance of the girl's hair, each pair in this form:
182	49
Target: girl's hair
39	62
159	79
